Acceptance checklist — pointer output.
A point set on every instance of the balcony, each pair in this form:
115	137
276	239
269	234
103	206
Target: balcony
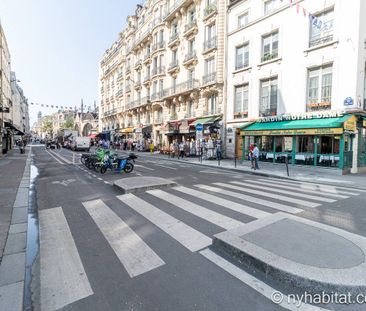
119	93
158	46
174	8
191	114
138	65
129	49
145	100
181	88
210	44
190	58
137	84
128	69
212	111
320	41
120	75
147	58
157	21
173	66
158	120
209	78
158	71
128	88
190	28
174	40
147	80
210	10
269	56
157	96
110	112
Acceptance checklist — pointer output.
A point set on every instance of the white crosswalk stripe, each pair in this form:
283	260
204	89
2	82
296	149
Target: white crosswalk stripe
321	187
274	205
63	278
144	167
184	234
297	188
195	209
298	193
135	255
240	208
269	195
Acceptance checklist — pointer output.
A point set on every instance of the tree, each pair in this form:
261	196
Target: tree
47	126
69	123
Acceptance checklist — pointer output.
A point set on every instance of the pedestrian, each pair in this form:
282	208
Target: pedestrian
21	146
181	150
256	156
151	147
218	149
251	156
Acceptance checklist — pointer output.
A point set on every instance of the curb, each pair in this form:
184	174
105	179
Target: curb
12	267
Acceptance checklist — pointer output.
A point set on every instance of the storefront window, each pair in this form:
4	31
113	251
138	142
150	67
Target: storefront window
305	144
266	143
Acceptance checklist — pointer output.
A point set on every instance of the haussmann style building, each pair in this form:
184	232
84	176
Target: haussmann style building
296	82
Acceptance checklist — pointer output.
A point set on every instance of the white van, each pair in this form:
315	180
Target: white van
80	143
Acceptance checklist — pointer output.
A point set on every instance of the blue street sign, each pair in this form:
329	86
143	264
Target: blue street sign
348	101
199	127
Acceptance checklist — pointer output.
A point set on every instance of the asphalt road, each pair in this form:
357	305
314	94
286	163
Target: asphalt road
167	270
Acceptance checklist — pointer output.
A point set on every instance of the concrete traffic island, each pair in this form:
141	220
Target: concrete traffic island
299	253
143	183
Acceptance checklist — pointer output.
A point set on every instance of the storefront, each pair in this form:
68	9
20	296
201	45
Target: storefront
212	126
318	139
127	132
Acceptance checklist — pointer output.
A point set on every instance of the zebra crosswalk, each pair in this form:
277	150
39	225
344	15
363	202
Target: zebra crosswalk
223	206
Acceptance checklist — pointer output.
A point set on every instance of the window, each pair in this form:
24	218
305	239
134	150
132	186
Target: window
321	28
190	108
268	98
191	44
148	117
241	56
319	88
212	104
241	101
270	46
211	31
175	28
271	5
210	66
161	87
243	20
191	16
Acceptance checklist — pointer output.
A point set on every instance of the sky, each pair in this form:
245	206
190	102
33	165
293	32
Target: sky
56	47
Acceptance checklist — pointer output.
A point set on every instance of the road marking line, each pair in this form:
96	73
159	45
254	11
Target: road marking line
55	157
256	284
61	157
63	278
195	209
135	255
240	208
322	187
298	194
278	206
269	195
146	168
286	186
107	182
94	175
100	178
178	230
171	168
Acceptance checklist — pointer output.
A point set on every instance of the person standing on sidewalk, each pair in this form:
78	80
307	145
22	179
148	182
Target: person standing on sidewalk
256	156
181	150
251	156
151	146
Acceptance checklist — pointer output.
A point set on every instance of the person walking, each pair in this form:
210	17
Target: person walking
251	156
151	147
181	150
256	157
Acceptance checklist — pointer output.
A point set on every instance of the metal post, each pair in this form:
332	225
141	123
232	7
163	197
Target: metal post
218	159
235	161
201	155
286	161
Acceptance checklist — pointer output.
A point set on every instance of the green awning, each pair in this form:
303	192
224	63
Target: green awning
299	124
203	121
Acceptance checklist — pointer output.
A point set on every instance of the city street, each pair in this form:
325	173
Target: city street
151	251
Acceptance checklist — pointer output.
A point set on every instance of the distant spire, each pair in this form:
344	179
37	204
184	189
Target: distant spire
82	106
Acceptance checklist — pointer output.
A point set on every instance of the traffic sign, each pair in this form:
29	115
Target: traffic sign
199	127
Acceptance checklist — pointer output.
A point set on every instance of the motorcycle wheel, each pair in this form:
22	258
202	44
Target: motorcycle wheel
128	168
103	169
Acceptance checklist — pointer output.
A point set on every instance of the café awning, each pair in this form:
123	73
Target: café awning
203	121
127	130
298	127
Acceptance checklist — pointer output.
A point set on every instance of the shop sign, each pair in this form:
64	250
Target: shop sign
138	130
184	127
348	101
351	124
317	131
302	116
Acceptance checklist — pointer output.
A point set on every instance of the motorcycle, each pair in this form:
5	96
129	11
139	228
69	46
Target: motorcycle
116	164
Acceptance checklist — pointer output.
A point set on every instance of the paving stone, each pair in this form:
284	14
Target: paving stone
12	268
15	243
20	215
11	297
17	228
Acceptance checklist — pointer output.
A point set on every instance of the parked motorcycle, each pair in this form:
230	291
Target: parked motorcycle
116	164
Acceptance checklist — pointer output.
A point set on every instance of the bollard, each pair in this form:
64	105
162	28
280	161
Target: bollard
218	161
235	161
73	158
286	161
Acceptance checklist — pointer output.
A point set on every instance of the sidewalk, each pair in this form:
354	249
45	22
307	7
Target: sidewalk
323	175
14	192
